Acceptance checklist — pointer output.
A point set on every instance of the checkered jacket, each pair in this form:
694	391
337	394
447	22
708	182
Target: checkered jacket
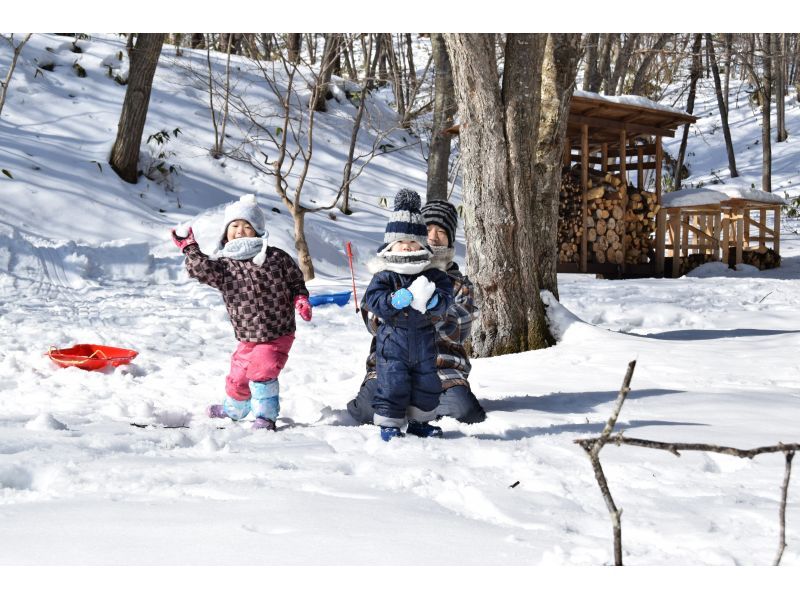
452	333
260	299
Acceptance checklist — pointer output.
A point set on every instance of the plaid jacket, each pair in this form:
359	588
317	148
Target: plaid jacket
259	299
452	333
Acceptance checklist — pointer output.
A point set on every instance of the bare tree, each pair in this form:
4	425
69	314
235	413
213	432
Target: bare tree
329	56
591	69
621	64
444	111
779	52
694	75
607	41
16	49
144	60
723	109
512	139
650	54
294	41
766	125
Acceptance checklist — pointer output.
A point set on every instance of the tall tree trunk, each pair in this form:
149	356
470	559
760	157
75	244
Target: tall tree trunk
329	56
766	125
621	64
723	110
349	58
198	41
780	84
696	70
643	74
604	70
412	71
397	79
590	57
512	144
728	64
444	110
144	60
294	42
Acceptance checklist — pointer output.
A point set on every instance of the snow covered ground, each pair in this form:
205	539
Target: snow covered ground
86	258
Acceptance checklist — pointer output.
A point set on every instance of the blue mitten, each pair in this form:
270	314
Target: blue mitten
433	302
401	298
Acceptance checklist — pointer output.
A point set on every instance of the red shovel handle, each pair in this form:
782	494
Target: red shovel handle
349	250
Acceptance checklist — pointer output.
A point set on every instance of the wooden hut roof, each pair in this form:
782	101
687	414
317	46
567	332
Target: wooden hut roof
607	116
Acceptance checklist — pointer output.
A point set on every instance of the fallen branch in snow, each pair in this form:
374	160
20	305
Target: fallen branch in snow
592	446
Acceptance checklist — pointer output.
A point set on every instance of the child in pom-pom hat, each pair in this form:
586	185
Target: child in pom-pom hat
406	291
261	286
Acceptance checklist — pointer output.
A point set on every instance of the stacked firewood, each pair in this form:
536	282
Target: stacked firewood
616	230
762	258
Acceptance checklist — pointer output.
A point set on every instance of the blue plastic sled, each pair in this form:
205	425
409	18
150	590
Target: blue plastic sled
337	298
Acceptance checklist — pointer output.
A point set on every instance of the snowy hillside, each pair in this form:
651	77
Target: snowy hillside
86	258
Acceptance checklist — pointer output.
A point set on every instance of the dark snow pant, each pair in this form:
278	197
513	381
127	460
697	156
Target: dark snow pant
405	391
457	402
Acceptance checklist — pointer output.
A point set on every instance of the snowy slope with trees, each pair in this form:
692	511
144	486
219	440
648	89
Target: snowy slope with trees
87	258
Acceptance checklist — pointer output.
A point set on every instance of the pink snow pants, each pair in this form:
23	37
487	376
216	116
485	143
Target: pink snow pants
256	362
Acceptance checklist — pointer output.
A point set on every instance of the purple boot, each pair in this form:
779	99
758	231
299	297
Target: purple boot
215	411
262	423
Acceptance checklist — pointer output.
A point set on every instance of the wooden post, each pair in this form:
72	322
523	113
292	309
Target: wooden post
623	174
776	235
567	153
584	190
661	241
685	220
604	157
739	234
659	158
640	164
726	235
762	230
717	234
675	223
746	218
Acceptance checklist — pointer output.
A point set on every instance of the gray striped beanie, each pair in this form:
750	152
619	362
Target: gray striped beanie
441	213
406	222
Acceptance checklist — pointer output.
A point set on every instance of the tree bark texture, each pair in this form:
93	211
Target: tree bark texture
294	42
144	60
444	110
591	75
512	145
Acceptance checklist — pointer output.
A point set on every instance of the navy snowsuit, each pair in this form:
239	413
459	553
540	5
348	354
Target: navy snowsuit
406	348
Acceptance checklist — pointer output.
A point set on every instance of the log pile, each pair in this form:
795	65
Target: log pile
620	225
762	258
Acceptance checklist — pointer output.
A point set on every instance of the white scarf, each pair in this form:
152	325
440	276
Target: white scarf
402	262
245	248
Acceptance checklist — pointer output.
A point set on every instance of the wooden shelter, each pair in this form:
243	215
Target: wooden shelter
619	136
725	223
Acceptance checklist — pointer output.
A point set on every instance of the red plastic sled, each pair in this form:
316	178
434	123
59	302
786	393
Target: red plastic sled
91	357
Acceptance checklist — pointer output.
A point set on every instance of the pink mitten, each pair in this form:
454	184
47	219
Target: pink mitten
183	242
303	307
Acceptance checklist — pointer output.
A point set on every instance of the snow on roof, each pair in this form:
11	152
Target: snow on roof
748	193
629	100
684	198
714	194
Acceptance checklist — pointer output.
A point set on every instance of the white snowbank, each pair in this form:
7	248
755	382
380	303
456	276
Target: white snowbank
684	198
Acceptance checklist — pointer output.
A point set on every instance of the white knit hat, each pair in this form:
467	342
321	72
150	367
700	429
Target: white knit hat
246	208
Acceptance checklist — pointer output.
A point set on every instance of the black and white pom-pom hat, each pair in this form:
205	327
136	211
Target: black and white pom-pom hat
406	222
441	213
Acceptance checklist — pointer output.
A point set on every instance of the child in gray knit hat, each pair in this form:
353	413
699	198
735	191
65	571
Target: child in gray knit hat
405	293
